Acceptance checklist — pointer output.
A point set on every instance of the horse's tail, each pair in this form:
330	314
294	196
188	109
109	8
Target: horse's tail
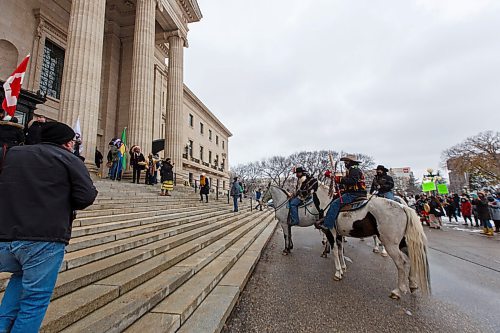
417	250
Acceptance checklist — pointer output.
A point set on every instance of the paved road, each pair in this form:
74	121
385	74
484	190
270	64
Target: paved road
296	293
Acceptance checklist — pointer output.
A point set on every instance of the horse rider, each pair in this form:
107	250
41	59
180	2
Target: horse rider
354	188
383	183
306	186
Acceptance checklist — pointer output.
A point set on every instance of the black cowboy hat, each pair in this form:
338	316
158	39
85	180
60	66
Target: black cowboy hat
350	158
382	168
299	169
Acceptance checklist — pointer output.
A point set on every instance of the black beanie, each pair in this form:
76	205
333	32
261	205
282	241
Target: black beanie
58	133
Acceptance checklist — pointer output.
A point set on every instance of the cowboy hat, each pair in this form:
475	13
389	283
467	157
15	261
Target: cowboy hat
350	158
382	168
299	169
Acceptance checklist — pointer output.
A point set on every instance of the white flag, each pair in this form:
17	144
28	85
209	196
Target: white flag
78	135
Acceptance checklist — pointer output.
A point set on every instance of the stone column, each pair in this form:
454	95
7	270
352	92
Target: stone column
82	72
175	97
141	91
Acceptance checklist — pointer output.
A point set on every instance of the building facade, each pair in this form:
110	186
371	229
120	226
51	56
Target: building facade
113	64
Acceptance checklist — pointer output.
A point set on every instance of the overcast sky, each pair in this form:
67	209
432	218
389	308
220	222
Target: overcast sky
399	80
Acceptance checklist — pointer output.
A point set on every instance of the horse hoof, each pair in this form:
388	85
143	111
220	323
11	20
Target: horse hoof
375	250
395	296
335	278
384	254
323	256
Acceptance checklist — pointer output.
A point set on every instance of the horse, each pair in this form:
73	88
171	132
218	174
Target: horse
397	226
308	216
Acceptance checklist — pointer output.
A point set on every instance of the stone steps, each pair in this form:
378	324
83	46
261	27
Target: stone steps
204	302
124	263
165	276
136	287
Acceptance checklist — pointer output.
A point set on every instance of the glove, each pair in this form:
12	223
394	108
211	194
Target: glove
337	179
328	173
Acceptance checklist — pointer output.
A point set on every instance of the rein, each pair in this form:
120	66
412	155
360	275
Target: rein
283	203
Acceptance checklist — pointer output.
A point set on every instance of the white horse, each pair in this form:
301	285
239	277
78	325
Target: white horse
397	226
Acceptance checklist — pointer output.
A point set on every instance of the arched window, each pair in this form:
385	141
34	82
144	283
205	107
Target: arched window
8	58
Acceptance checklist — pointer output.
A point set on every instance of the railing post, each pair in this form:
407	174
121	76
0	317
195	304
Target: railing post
228	196
251	204
195	186
216	192
175	178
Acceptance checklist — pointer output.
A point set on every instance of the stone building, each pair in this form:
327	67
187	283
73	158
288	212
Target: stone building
114	64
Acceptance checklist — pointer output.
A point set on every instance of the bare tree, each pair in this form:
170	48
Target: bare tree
278	169
478	155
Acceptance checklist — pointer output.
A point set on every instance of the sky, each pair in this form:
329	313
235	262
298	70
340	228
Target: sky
399	80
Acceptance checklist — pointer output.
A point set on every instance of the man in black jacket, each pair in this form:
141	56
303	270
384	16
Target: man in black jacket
383	183
11	133
41	186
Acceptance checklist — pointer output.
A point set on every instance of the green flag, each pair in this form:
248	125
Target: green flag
442	189
429	186
123	148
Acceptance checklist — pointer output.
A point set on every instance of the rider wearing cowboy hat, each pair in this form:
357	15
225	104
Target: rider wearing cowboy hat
354	187
383	183
306	185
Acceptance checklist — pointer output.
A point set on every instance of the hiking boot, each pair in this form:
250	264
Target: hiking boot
321	225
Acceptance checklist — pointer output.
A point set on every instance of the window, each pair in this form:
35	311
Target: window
191	120
201	128
217	140
210	135
201	153
190	148
210	157
216	162
223	144
52	70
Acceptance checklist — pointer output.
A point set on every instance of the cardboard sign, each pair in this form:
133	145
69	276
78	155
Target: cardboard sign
442	189
429	186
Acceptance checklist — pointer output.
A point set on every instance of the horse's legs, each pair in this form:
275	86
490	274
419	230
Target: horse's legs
338	269
340	242
326	249
375	246
284	227
402	264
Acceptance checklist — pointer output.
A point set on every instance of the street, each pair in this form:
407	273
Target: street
296	293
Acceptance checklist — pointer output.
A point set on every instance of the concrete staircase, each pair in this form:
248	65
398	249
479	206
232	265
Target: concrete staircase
142	262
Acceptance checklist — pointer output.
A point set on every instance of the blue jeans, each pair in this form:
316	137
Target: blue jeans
388	195
486	223
235	202
294	204
116	170
35	266
333	211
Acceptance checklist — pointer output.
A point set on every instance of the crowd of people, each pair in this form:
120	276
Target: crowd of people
479	209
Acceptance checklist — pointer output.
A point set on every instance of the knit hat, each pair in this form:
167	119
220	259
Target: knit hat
58	133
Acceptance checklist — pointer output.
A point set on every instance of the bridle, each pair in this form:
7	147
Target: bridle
276	207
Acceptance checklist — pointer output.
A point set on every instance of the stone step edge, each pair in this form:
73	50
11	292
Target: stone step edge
212	314
213	226
227	258
115	295
123	231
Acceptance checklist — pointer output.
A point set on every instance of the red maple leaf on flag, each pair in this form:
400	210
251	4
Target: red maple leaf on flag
12	87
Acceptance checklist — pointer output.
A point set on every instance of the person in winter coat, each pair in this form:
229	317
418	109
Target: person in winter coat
11	133
466	209
34	129
138	163
456	201
383	183
235	193
34	231
450	209
483	213
204	187
114	159
435	213
167	177
494	205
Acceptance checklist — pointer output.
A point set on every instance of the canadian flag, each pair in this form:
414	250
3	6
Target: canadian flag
12	87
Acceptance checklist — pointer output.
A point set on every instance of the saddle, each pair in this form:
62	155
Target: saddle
355	205
308	201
